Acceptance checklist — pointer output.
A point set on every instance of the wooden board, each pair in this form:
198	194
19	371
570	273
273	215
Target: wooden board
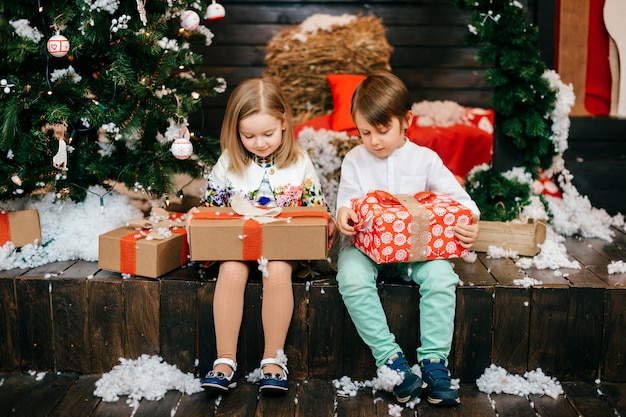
178	323
296	351
106	323
207	351
584	334
471	346
572	53
35	324
9	330
511	321
326	327
614	337
141	307
71	324
79	399
313	399
548	328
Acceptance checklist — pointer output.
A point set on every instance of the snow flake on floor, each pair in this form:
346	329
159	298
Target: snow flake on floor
146	377
617	267
497	380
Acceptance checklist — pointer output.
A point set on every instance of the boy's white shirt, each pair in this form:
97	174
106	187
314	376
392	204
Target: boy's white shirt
408	170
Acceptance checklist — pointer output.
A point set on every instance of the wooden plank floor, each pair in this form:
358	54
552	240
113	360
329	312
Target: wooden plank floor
63	395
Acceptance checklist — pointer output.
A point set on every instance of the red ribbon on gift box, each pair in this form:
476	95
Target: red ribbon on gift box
5	228
128	252
253	230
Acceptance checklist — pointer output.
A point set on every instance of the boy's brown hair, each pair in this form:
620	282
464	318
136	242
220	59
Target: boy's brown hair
252	96
381	97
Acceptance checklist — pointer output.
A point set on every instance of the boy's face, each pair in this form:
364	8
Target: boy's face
382	140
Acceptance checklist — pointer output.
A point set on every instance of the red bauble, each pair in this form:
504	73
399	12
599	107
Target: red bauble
189	20
215	11
58	46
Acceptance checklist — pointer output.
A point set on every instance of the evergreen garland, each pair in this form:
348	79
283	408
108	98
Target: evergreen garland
522	96
131	73
522	100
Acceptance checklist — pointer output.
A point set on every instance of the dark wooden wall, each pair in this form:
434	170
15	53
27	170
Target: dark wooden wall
430	53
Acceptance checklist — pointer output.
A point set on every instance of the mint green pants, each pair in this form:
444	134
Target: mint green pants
357	275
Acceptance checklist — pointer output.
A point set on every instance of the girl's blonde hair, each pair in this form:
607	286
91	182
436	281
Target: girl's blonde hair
252	96
381	97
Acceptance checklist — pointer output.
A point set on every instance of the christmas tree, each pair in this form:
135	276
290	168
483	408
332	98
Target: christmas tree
100	92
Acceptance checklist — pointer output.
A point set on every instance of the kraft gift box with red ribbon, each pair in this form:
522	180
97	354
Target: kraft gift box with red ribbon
286	233
404	228
145	248
19	227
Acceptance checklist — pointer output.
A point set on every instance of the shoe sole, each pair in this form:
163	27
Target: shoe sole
446	402
219	387
416	393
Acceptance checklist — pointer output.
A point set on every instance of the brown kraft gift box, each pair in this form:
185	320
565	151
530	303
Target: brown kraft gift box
521	237
20	227
220	234
127	251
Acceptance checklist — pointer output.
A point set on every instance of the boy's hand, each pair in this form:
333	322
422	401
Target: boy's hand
467	233
346	218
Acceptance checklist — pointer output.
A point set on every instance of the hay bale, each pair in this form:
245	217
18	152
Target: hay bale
301	56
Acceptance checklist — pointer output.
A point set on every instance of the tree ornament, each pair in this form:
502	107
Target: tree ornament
16	179
215	11
189	20
6	87
58	45
182	148
59	160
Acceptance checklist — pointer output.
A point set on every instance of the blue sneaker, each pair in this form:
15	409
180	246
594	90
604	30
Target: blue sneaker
274	382
437	376
218	380
412	385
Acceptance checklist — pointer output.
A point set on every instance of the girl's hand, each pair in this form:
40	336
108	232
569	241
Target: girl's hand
332	228
346	218
467	233
190	214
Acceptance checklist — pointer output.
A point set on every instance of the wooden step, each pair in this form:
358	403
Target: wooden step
73	317
69	394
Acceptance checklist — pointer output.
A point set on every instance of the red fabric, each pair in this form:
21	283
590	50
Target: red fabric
598	81
461	147
342	88
5	228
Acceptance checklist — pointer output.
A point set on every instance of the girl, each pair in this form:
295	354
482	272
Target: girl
260	160
387	160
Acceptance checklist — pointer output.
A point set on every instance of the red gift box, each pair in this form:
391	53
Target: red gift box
404	228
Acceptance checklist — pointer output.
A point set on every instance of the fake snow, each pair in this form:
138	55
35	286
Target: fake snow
147	377
38	375
617	267
498	380
69	230
257	374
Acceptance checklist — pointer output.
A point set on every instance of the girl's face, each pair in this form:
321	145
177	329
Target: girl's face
383	140
261	133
